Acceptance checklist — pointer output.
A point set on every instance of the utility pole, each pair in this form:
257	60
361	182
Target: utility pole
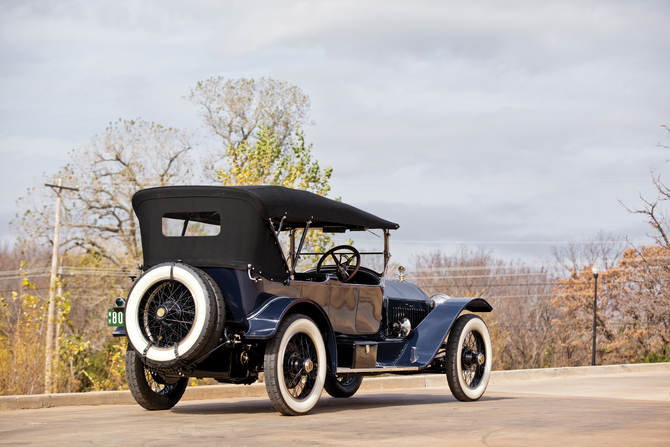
596	272
51	312
59	316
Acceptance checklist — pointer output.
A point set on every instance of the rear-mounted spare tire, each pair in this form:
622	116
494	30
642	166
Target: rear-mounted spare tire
174	315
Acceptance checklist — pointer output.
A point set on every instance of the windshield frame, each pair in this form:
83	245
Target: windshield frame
295	252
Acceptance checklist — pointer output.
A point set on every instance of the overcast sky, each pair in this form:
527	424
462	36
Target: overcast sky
510	125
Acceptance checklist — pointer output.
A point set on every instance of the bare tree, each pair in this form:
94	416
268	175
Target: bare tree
234	110
604	248
98	219
523	314
653	210
465	273
520	323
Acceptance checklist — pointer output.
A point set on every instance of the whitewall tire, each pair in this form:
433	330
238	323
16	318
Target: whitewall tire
295	366
174	315
468	358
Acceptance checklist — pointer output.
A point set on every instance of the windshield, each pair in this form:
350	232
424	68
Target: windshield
370	245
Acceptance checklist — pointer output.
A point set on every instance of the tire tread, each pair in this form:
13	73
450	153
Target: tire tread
452	357
271	365
336	389
140	390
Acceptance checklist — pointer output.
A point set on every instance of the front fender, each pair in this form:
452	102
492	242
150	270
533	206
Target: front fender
426	339
264	322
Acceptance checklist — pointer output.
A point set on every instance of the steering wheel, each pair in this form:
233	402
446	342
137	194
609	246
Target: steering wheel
342	261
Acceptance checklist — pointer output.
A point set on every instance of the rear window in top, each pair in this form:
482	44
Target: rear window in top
201	223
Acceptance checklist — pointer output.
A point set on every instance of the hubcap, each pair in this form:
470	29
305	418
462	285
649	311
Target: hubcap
309	366
300	370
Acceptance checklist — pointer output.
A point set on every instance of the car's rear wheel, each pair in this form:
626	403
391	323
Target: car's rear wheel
295	366
174	315
468	358
342	385
149	389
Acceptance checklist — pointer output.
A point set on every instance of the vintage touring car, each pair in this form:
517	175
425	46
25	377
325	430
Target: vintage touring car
221	296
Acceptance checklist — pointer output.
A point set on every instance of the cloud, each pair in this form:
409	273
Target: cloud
523	119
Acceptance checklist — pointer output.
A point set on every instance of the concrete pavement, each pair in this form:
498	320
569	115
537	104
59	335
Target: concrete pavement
589	410
650	386
369	384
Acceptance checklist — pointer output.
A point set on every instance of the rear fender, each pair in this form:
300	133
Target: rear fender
264	322
425	340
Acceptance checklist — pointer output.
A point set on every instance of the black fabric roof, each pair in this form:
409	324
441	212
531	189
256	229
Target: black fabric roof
275	202
243	214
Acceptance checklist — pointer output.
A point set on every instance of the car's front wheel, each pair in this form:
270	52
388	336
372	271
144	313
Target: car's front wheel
343	385
295	366
149	389
468	358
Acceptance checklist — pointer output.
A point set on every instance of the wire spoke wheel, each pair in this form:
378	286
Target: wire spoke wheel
471	368
167	313
149	389
299	368
468	358
157	384
175	315
295	366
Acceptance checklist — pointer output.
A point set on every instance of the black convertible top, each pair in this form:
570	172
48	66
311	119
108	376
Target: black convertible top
275	202
248	217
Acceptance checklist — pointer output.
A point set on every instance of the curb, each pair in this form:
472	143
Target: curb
575	371
34	401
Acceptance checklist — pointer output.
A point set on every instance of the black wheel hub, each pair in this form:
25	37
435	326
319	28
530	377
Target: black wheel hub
473	359
300	370
345	379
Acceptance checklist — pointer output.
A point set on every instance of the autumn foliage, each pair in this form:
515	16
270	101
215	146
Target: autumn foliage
633	310
544	317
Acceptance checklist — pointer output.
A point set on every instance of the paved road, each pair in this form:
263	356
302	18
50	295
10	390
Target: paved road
574	411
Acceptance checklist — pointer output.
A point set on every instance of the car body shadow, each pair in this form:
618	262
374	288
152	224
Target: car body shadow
326	404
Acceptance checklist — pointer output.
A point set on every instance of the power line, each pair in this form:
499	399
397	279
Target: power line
519	185
442	178
505	242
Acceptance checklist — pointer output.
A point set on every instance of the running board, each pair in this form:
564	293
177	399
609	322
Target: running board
380	369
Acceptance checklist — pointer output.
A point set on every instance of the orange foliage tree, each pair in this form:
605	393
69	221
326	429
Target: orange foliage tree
633	310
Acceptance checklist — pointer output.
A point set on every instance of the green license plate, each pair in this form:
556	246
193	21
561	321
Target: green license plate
115	317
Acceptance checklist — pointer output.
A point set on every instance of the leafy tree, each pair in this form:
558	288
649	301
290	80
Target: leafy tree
644	312
258	123
21	341
266	162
